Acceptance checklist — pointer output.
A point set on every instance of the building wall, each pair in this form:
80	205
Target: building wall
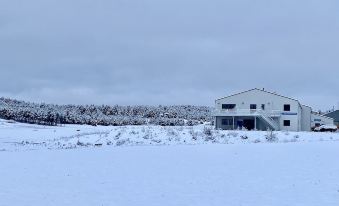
219	124
306	118
294	119
272	102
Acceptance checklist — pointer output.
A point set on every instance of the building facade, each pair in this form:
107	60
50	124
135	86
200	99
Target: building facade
258	109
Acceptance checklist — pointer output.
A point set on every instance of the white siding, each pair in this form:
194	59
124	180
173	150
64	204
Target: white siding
306	118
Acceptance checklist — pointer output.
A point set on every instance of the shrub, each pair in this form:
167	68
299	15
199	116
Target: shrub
244	137
233	134
271	136
257	141
207	131
121	142
209	138
193	134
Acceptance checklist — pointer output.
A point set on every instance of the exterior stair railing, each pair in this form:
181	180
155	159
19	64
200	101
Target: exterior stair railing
274	124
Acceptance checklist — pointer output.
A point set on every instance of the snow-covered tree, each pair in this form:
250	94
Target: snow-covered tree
50	114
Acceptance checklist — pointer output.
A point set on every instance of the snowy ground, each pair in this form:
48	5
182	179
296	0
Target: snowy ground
17	136
83	165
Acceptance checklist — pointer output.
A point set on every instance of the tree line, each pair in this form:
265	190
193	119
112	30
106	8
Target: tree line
52	114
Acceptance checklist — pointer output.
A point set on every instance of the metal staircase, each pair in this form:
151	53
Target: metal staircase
269	120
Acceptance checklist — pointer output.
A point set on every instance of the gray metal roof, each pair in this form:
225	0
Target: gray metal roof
334	115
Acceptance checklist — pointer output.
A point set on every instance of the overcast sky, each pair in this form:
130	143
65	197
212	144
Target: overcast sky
168	51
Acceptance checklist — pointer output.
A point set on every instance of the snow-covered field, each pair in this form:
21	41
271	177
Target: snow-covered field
84	165
18	136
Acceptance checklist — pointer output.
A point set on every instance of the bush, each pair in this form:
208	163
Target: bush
244	137
122	142
256	141
193	134
207	131
233	134
271	136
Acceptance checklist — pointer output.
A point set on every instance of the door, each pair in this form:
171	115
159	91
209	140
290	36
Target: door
240	123
249	124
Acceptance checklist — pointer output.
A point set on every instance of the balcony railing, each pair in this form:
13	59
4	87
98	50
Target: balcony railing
246	112
266	115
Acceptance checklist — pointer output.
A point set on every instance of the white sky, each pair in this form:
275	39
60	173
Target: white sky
168	52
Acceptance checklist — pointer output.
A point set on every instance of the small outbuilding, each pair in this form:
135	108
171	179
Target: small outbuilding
334	115
318	120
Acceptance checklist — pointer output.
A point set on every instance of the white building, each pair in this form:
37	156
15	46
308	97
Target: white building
261	110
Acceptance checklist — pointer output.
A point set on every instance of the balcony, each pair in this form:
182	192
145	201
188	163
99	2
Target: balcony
246	112
268	116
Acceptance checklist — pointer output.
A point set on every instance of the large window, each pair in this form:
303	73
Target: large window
227	122
287	107
253	106
287	123
228	106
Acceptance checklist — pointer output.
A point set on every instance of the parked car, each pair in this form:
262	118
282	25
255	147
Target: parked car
326	128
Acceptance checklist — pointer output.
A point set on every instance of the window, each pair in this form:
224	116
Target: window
228	106
263	106
253	106
227	122
287	123
287	107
